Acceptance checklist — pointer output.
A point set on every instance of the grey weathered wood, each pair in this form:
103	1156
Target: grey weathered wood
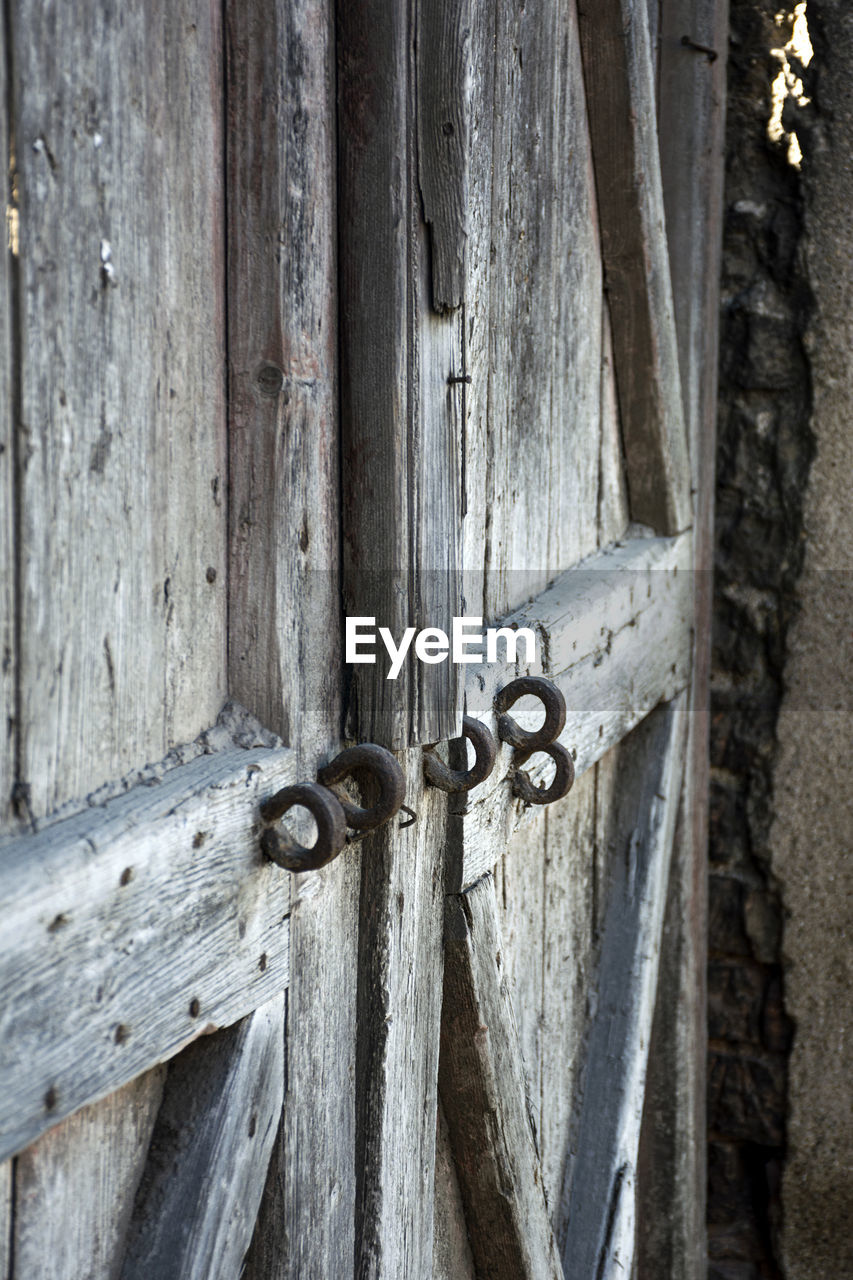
401	501
673	1166
533	309
399	1007
600	1179
452	1258
443	98
284	621
6	1204
284	628
613	511
133	927
200	1190
615	635
484	1095
8	454
122	387
619	77
74	1188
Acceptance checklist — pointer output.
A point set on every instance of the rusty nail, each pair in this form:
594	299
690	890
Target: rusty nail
711	54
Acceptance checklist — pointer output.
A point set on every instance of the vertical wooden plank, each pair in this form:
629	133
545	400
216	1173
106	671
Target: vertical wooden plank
74	1188
122	469
197	1201
399	425
452	1258
619	77
532	464
484	1095
673	1166
6	1203
285	625
121	517
399	1005
8	266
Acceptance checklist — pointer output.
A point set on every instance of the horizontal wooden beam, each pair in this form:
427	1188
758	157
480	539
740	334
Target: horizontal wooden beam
132	928
615	635
599	1190
484	1095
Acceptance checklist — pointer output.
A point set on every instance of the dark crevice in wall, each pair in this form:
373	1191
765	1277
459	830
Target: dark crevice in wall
764	452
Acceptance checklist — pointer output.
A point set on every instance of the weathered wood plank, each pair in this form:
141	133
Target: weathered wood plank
197	1200
672	1240
533	309
452	1258
7	1200
443	95
8	455
284	621
400	431
74	1188
484	1095
282	354
399	1006
122	387
619	77
615	635
162	918
600	1179
613	513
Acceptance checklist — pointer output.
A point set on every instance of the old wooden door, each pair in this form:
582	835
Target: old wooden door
402	311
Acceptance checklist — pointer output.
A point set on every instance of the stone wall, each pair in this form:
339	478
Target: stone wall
781	889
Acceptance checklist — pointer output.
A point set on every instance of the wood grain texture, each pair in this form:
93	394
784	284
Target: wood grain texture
443	96
615	636
196	1204
74	1188
673	1150
619	77
399	1006
122	430
8	454
533	310
284	621
600	1178
452	1258
7	1201
400	429
484	1095
163	919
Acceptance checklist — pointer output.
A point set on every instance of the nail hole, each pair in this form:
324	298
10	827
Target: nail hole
195	1008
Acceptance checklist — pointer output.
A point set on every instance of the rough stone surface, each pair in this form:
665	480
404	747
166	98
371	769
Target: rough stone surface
780	1178
812	836
765	448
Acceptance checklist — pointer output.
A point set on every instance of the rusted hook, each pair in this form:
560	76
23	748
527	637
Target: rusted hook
549	695
456	780
561	783
327	812
383	767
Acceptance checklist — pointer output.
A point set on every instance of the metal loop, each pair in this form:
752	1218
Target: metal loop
561	784
456	780
384	768
555	713
327	812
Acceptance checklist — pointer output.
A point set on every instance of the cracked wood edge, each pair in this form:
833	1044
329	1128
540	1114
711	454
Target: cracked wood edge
614	634
599	1186
484	1096
198	1197
620	88
131	929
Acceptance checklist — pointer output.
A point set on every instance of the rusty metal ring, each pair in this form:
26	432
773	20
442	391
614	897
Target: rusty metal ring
386	771
549	695
561	784
327	812
455	780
